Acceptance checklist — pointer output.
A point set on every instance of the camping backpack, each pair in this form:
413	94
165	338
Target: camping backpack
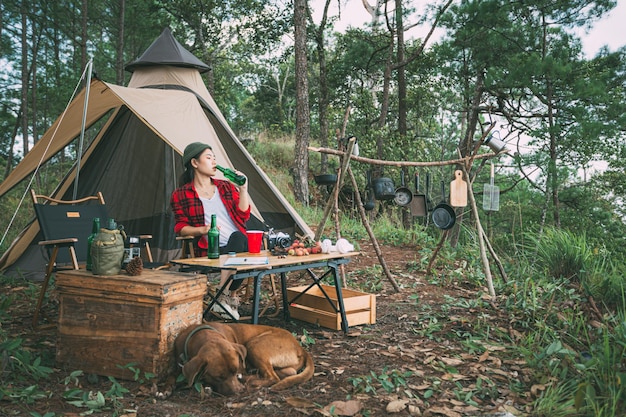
107	252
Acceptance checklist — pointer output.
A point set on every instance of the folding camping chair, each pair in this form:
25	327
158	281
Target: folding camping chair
66	224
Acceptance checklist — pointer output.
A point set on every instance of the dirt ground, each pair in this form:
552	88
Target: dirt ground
420	348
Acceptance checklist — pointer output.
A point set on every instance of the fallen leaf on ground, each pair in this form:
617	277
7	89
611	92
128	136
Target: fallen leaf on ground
299	402
396	406
344	408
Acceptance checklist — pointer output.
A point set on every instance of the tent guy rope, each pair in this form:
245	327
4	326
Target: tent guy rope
36	171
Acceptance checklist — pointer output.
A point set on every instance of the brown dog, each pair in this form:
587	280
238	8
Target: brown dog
219	354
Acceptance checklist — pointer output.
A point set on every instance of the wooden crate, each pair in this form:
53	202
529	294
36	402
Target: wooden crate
108	322
313	307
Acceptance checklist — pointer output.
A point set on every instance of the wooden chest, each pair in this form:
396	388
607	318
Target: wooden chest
108	324
313	307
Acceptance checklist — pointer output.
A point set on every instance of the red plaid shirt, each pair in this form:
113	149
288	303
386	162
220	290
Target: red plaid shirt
188	210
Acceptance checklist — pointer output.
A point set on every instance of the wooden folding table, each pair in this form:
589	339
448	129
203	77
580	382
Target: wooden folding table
247	266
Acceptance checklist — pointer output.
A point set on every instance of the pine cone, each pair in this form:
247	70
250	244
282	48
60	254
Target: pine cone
134	266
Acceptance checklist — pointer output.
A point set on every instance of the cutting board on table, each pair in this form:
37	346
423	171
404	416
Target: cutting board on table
458	190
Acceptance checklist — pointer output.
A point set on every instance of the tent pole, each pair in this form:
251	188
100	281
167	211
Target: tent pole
82	127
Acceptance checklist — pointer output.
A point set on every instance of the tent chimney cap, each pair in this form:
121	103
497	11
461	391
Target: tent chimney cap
165	50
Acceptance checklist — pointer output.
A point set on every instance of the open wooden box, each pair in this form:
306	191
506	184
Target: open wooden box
109	322
313	307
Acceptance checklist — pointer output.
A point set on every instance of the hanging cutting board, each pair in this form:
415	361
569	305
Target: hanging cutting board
458	190
491	194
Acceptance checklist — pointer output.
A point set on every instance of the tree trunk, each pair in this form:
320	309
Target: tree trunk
33	85
119	59
323	88
24	94
301	168
83	38
402	105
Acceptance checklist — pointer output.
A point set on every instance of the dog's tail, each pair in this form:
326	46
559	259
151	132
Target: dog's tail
305	375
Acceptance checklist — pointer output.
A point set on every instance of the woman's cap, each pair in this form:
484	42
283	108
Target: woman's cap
192	150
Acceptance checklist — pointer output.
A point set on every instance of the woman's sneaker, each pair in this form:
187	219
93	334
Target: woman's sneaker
229	305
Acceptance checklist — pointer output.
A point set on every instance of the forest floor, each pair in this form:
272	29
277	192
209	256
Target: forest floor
420	358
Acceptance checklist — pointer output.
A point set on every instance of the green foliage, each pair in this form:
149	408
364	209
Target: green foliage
601	384
21	367
562	254
388	380
306	339
137	375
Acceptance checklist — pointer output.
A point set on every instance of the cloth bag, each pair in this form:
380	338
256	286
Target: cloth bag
107	252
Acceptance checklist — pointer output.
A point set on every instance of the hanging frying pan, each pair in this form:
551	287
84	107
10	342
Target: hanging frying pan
418	203
443	214
403	195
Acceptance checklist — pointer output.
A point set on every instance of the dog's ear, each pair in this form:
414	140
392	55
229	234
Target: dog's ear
243	352
192	369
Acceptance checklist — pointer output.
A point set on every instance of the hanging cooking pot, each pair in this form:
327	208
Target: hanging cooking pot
369	203
443	214
384	189
403	194
369	198
325	179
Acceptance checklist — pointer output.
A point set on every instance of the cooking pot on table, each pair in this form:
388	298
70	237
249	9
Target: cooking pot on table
443	214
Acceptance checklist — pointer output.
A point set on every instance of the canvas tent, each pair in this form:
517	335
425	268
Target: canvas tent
135	158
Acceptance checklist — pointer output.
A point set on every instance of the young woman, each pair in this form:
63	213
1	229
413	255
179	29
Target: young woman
199	196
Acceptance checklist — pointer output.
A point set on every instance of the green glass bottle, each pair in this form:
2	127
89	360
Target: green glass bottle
232	175
95	229
214	239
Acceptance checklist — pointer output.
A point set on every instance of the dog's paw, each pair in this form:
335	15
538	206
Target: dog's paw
164	394
165	390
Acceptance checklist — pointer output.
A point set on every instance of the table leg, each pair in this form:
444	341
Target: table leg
338	285
257	296
283	288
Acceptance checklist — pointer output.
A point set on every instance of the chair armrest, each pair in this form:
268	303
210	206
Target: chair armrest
187	249
61	242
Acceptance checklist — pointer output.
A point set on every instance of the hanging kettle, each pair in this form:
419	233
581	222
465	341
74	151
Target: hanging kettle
384	189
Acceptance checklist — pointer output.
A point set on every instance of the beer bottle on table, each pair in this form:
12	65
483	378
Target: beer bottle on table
232	175
214	239
95	229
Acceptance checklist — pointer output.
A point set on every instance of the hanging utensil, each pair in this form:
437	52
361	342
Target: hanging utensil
429	202
491	194
443	214
384	189
458	190
403	195
369	201
418	203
